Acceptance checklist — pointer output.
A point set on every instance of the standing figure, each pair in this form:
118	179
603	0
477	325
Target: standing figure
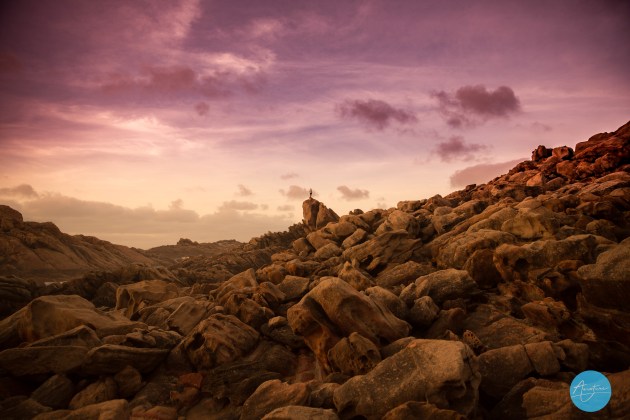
310	194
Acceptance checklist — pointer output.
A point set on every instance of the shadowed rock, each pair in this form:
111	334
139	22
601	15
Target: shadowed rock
333	310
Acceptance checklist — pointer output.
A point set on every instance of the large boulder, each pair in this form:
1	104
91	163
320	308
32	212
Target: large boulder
439	372
446	284
397	220
218	339
50	315
459	249
516	262
334	309
606	283
133	297
390	247
402	274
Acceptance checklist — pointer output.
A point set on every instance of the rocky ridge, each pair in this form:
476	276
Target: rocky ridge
484	303
41	252
185	248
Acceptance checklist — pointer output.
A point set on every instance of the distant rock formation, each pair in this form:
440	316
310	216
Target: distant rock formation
186	248
316	214
40	251
483	303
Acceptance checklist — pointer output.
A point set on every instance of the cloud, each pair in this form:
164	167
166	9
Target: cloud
472	105
217	82
177	204
238	205
374	113
243	191
541	126
456	148
482	173
296	193
286	207
356	194
202	109
23	190
289	175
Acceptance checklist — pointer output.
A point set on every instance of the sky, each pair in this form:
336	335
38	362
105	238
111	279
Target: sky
143	121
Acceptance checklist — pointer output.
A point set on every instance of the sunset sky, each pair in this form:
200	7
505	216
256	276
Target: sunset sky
141	122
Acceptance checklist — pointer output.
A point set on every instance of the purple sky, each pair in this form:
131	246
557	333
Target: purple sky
144	121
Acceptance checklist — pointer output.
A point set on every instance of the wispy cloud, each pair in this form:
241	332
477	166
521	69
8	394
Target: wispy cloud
471	105
23	190
374	113
352	194
289	175
482	173
238	205
243	191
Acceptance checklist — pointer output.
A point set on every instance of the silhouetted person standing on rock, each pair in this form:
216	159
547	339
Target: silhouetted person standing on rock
310	194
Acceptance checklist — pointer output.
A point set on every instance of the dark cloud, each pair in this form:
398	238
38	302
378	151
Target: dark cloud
289	175
296	193
456	148
286	207
238	205
471	105
243	191
349	194
541	126
482	173
374	113
202	108
184	80
23	190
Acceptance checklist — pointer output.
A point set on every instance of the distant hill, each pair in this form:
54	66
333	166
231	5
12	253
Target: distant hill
185	248
40	251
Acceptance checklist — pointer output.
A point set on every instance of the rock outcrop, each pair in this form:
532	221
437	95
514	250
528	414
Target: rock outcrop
484	303
316	214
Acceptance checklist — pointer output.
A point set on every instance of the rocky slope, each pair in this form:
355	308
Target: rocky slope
185	249
40	251
484	303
